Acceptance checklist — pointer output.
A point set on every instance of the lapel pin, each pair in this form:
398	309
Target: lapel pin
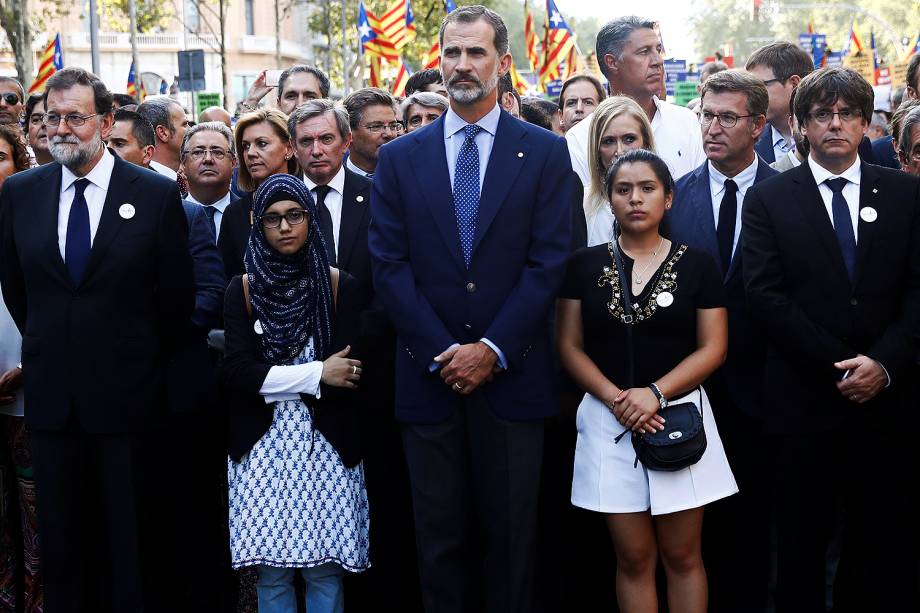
126	211
868	214
874	190
520	154
360	198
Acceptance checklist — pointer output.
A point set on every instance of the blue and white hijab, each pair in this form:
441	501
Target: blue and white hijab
290	294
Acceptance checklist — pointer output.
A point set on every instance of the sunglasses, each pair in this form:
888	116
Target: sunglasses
11	99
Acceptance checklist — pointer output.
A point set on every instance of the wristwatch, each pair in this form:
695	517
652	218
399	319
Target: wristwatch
662	401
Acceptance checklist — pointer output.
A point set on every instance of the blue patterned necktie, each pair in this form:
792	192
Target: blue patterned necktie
466	190
209	210
78	244
843	224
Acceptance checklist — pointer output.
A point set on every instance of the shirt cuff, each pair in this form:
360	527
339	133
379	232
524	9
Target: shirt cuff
887	376
435	365
288	382
501	356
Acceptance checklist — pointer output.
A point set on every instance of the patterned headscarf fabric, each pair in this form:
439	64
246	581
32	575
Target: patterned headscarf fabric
290	294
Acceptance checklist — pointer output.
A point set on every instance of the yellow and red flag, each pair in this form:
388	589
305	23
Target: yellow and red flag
376	80
402	77
398	23
520	84
52	61
432	59
373	41
530	39
558	43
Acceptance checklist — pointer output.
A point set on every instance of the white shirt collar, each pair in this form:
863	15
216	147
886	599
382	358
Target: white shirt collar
164	170
821	174
778	137
99	176
743	179
220	205
337	183
453	123
354	168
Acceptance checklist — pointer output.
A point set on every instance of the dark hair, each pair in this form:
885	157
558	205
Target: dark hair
31	102
806	146
506	86
13	135
533	113
913	68
601	94
316	72
900	113
471	14
739	81
22	91
141	128
70	76
613	36
910	121
635	156
317	108
155	109
357	101
784	59
549	107
123	99
827	85
422	79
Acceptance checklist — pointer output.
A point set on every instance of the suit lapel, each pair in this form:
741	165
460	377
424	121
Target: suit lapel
353	213
870	195
705	222
429	162
509	152
120	192
810	203
763	172
49	190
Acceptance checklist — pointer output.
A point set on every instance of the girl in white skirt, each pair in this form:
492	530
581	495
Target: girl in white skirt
679	338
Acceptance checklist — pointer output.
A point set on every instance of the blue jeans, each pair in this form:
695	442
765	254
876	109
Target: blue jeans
275	589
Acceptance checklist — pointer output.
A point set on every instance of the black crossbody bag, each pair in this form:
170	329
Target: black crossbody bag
683	440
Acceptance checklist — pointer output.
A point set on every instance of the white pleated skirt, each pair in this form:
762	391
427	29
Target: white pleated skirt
607	480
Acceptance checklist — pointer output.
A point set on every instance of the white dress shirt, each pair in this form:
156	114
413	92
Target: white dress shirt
288	382
94	194
677	134
780	146
333	201
219	208
166	171
853	175
744	180
351	166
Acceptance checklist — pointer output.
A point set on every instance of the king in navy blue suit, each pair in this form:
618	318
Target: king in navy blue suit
469	238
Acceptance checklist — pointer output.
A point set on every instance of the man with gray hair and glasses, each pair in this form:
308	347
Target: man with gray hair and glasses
631	57
208	159
909	143
420	109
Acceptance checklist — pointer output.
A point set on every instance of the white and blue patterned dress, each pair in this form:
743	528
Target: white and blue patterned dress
291	506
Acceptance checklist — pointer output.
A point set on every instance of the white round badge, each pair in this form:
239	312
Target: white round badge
360	198
257	327
868	214
665	299
126	211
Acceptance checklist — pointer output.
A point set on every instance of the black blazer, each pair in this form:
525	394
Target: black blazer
97	349
235	227
353	254
799	291
243	371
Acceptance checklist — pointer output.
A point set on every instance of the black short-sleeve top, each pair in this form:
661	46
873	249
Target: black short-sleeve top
664	332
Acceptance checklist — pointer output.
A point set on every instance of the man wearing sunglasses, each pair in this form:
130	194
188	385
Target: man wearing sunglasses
12	100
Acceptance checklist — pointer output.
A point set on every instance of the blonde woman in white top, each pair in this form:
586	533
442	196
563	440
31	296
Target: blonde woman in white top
618	125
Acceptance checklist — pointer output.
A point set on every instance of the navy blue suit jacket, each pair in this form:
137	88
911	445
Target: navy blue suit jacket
518	261
207	266
691	222
884	153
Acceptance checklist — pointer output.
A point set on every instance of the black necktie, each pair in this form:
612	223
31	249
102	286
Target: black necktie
725	231
78	242
843	224
325	221
210	211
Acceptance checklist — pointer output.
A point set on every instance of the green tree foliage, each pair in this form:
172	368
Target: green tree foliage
152	16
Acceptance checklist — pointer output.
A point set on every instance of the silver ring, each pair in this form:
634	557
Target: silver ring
354	369
458	387
853	397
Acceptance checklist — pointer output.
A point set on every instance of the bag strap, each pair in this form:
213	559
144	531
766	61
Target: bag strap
333	276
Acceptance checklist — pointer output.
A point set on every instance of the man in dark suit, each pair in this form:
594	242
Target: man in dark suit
97	274
208	160
706	215
469	238
832	271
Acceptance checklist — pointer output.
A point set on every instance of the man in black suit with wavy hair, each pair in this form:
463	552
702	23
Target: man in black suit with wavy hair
96	272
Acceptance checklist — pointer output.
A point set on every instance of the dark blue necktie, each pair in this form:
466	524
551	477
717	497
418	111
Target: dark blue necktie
466	190
725	232
843	224
77	246
325	221
210	211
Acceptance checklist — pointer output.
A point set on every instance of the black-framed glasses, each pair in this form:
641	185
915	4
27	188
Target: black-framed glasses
10	98
294	217
825	116
726	120
216	153
74	120
377	128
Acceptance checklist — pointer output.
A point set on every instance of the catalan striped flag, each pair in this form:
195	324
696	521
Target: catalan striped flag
432	59
530	39
373	41
398	23
573	63
558	43
131	90
52	61
520	84
376	80
402	77
852	39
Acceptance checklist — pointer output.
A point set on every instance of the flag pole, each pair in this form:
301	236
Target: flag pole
94	36
132	16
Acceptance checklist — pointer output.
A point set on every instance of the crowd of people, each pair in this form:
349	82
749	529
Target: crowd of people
383	352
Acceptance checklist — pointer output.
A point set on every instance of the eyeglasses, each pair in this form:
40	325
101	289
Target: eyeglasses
727	120
377	128
825	117
199	154
294	217
73	120
11	99
36	119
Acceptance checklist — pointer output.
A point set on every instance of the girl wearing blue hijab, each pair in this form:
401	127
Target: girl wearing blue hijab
297	495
